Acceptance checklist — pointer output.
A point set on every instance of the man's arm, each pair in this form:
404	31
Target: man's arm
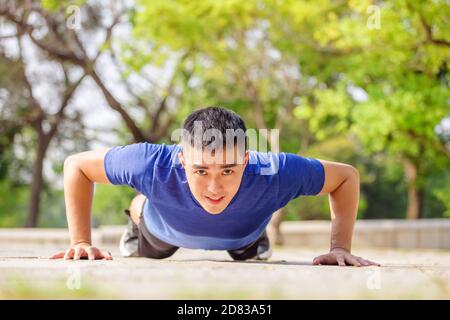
342	185
81	171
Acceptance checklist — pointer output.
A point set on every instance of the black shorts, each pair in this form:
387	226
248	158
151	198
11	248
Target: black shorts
150	246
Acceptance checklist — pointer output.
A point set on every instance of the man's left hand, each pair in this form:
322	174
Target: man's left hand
342	257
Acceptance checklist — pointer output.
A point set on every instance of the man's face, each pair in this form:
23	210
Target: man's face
214	179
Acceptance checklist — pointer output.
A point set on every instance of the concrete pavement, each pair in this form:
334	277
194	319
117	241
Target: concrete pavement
25	272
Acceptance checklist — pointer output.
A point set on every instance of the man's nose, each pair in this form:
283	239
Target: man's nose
214	186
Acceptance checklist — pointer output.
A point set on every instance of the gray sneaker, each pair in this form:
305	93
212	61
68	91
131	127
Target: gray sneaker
264	251
129	240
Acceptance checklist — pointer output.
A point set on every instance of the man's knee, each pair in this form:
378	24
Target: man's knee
253	251
158	255
136	207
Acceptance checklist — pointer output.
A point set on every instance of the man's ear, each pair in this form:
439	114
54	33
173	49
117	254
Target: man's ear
181	157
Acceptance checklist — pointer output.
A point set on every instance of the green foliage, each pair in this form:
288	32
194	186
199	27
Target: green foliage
109	203
13	203
440	186
238	49
303	60
55	5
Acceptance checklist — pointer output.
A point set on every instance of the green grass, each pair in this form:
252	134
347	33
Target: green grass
19	287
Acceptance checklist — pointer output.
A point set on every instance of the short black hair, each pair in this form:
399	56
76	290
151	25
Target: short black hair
225	121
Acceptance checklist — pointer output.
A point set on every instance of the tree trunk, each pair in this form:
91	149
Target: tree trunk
415	195
37	182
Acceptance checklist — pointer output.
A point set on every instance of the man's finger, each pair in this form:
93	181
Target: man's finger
316	260
340	260
107	255
363	262
68	254
373	263
58	255
352	260
77	253
91	253
320	259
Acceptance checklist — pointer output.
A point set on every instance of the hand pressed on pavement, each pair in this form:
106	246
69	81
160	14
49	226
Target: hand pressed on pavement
342	257
82	251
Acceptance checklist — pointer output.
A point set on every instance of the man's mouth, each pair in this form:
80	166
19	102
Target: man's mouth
214	200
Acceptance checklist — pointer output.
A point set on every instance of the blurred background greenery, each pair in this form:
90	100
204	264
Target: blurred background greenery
361	82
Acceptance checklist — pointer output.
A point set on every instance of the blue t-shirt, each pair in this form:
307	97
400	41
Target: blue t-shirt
172	214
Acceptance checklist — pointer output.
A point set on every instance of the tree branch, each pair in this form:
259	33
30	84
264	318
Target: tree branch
68	93
429	33
137	134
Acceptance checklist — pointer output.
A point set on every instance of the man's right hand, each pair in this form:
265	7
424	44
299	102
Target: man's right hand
82	251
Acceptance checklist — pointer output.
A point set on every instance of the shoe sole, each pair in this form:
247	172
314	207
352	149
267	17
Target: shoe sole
265	255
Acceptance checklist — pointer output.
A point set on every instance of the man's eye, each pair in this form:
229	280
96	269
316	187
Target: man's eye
227	172
200	172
